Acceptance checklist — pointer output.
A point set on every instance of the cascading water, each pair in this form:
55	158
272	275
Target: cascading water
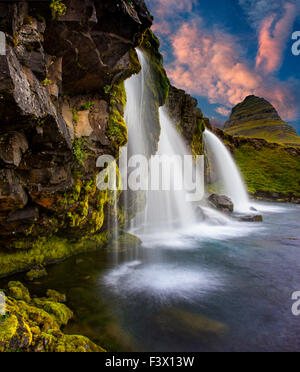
227	172
163	208
170	207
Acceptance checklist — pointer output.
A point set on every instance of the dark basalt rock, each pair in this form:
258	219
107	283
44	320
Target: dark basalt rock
251	218
188	117
221	202
60	93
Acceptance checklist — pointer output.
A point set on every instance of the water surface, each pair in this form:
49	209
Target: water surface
216	286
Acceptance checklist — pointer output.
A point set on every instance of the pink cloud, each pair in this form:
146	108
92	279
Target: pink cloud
273	39
210	64
223	111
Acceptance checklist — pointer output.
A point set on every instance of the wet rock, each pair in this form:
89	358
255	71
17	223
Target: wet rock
12	146
253	209
12	194
18	291
56	296
251	218
188	117
52	68
192	323
37	272
221	202
28	215
83	127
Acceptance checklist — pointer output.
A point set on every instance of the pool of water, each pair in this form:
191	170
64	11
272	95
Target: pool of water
216	286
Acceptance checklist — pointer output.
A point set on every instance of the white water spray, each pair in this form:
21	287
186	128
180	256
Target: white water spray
227	172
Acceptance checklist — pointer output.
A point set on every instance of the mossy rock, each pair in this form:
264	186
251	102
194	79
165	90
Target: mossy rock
34	326
37	272
56	296
48	250
18	291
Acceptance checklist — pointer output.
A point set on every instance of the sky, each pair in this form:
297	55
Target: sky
221	51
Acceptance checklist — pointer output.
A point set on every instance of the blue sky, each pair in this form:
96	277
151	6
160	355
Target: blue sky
220	51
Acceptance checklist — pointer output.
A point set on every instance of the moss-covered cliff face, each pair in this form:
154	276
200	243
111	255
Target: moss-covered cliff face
188	118
62	106
257	118
156	87
271	171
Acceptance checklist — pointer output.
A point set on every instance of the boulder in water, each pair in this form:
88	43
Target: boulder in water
251	218
253	209
221	202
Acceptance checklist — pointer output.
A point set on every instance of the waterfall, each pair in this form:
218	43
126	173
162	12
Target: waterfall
227	171
136	109
163	208
170	208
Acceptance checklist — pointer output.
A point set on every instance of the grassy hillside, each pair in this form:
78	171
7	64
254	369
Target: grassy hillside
270	131
270	170
257	118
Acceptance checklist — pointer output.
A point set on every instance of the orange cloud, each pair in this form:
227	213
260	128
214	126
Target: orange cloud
273	38
209	64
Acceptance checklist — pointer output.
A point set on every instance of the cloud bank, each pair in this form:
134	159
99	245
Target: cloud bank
209	62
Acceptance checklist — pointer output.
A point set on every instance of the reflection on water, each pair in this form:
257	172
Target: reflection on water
217	286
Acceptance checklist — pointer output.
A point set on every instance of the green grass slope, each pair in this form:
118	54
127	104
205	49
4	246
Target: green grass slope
270	170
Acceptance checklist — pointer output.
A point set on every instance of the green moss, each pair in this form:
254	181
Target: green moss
60	312
150	45
34	326
87	106
75	116
58	9
36	273
45	250
18	291
117	129
7	331
46	82
56	296
107	89
79	149
197	142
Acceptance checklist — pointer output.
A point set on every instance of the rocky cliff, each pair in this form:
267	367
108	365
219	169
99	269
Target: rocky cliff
62	102
188	118
256	117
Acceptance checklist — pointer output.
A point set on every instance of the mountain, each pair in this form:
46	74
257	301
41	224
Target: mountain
255	117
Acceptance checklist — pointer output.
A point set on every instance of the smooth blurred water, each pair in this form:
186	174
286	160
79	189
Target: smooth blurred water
227	171
211	287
